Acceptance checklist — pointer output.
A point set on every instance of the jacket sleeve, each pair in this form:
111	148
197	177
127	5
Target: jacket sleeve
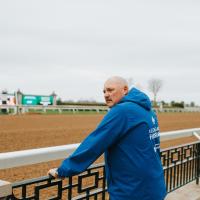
106	134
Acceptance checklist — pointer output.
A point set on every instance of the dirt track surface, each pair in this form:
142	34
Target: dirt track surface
35	131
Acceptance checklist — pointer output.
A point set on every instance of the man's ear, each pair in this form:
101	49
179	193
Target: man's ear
125	89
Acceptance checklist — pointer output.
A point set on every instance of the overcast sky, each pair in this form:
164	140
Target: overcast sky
72	47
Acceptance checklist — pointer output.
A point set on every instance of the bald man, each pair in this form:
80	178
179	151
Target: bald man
129	137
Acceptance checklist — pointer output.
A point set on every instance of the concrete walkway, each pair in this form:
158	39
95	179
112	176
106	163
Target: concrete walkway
191	191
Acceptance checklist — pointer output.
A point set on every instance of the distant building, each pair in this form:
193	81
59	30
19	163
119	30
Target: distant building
27	99
7	99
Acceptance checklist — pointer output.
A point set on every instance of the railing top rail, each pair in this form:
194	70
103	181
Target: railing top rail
45	178
178	133
180	146
54	106
31	181
181	131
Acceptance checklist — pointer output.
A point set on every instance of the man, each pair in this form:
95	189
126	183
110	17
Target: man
129	136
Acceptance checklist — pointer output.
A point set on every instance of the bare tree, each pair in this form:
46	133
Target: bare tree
132	83
154	86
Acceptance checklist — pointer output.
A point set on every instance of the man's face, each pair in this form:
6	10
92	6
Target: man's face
113	93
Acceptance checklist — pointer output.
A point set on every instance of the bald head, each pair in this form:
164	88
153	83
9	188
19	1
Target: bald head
117	80
115	88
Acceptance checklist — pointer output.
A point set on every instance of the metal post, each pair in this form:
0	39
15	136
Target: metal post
198	164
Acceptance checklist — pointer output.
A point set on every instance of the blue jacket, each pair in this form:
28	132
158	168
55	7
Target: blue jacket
129	136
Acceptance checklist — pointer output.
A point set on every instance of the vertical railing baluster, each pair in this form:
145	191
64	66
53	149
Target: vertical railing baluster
182	171
24	191
190	164
69	194
198	164
104	184
178	176
174	176
186	167
167	171
95	197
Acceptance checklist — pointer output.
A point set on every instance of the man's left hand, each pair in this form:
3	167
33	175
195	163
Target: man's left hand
53	172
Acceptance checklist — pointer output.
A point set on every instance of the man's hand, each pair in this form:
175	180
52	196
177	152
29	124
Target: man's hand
53	172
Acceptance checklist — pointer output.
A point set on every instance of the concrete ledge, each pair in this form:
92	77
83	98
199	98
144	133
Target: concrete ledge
5	189
191	191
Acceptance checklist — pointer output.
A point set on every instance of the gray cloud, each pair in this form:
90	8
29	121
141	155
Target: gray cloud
73	46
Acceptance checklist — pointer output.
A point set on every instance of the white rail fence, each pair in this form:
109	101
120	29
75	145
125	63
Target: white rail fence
33	156
76	108
174	110
59	108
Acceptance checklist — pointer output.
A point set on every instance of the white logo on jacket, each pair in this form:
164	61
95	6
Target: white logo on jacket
153	120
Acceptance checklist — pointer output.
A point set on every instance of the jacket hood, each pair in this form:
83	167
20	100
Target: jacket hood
138	97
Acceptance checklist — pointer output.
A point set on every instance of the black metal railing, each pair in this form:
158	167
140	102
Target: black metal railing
181	165
90	184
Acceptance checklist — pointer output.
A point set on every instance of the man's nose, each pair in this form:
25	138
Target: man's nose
106	94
